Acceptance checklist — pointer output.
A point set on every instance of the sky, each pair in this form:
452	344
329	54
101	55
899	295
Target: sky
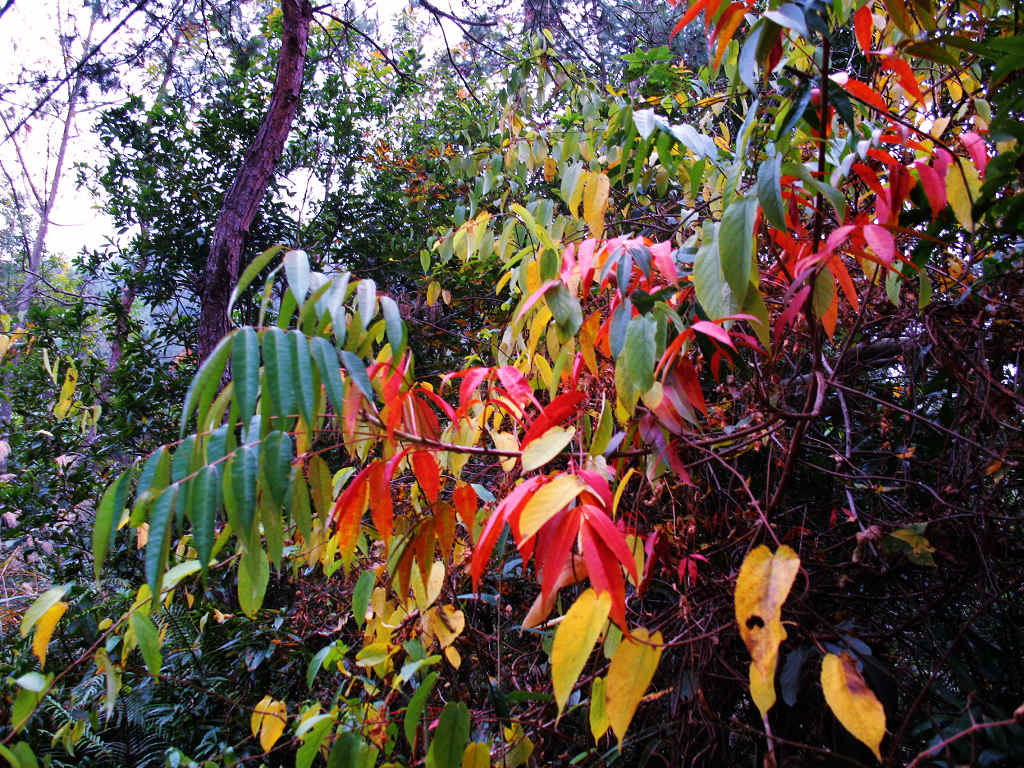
29	32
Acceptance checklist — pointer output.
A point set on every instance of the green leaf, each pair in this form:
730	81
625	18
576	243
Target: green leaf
107	515
361	596
159	539
217	446
394	326
245	372
357	370
736	244
345	750
824	289
311	743
206	495
25	703
769	192
20	755
417	704
325	357
251	271
709	283
617	331
639	352
278	367
156	473
450	737
244	470
833	195
296	269
366	300
303	376
149	642
205	383
603	433
748	58
253	578
277	463
42	604
566	310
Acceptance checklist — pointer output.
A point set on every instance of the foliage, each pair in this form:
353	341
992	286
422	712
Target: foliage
757	384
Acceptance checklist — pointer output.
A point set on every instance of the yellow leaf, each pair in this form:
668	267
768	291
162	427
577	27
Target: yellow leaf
256	720
629	674
577	193
763	584
595	202
598	710
550	166
547	502
574	639
506	441
588	338
44	630
478	753
275	715
961	189
453	656
424	595
433	292
542	450
445	623
853	703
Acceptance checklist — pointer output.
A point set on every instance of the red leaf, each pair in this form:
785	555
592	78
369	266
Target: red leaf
661	254
869	177
423	410
444	528
605	573
381	507
934	186
789	314
558	411
686	375
976	147
465	501
470	381
428	474
585	262
535	297
516	385
496	522
348	513
554	548
714	331
906	76
863	22
881	241
843	278
611	537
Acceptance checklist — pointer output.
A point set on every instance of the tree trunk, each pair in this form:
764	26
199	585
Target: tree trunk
243	199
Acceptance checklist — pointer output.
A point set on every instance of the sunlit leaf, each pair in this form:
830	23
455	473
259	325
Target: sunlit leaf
44	630
546	447
574	640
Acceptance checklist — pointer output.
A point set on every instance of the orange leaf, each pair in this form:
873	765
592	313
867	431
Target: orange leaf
465	501
727	26
428	475
861	91
690	15
381	507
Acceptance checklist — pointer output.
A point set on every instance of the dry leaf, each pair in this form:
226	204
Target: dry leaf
854	704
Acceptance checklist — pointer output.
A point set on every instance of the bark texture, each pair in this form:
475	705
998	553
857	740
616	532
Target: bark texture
243	198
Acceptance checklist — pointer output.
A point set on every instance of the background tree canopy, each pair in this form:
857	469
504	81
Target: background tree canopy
601	383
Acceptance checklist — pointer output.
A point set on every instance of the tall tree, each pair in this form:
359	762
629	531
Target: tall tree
243	198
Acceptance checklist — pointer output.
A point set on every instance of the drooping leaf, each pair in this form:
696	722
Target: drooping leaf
205	382
357	370
296	269
252	581
762	587
428	474
302	376
268	720
148	638
629	674
853	703
278	367
206	495
477	755
44	630
107	514
450	737
394	327
417	704
639	351
159	539
574	640
598	716
595	202
769	193
244	476
277	456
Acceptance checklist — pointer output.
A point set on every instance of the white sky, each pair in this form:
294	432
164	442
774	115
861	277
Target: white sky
29	33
